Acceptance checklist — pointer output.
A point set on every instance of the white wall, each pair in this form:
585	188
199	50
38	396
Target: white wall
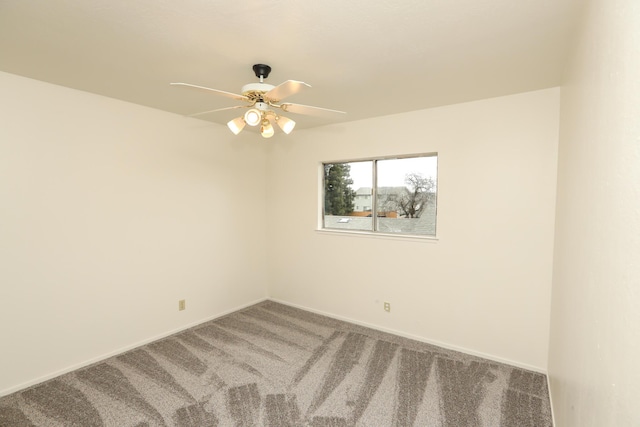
595	320
109	214
112	212
485	285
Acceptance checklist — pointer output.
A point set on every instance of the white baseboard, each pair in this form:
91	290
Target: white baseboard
553	416
418	338
121	350
331	315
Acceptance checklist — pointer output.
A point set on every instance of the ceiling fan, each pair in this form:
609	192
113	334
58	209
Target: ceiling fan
264	104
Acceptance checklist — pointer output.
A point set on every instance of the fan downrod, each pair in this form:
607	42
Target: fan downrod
261	70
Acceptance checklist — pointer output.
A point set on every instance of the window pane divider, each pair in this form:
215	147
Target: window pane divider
374	197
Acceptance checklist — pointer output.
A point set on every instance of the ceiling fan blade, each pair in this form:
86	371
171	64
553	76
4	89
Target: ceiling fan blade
310	111
288	88
218	109
216	91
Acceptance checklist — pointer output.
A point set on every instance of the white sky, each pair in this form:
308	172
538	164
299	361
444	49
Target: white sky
391	172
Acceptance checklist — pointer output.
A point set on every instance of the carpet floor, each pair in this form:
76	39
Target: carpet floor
275	365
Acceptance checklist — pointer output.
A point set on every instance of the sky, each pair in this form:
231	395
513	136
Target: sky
391	172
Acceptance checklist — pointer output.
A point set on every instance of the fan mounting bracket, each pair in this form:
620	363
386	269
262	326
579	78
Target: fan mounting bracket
261	70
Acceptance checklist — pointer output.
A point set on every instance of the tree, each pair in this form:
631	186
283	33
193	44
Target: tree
338	196
420	190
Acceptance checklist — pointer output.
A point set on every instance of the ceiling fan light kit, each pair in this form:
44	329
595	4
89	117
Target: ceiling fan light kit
285	124
263	99
266	130
236	125
253	117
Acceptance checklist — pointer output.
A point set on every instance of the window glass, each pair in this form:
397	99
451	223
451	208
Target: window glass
348	201
400	194
406	195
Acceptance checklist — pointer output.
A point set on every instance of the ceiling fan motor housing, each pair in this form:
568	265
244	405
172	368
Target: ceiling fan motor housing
256	87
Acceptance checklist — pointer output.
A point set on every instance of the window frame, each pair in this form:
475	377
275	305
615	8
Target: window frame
374	200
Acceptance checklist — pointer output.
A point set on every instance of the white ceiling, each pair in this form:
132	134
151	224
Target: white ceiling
366	57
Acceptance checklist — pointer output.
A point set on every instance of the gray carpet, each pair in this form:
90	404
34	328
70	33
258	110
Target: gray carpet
274	365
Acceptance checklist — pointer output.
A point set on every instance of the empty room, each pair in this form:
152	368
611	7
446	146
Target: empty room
296	213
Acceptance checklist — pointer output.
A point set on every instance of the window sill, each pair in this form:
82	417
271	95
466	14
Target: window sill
377	235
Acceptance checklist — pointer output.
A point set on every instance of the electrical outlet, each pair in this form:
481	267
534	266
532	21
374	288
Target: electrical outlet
182	304
387	307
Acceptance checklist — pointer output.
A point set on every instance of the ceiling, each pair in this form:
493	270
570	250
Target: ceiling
368	58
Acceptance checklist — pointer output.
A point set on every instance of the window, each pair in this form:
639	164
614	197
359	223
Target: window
385	195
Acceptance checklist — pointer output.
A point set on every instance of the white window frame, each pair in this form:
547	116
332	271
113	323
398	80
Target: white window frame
374	233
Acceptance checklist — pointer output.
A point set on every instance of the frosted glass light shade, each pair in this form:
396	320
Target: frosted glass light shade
266	129
236	125
286	124
253	117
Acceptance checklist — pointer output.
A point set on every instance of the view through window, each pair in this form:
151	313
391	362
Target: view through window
386	195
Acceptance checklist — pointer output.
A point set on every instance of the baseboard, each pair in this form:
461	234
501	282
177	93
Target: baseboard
553	416
121	350
331	315
418	338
